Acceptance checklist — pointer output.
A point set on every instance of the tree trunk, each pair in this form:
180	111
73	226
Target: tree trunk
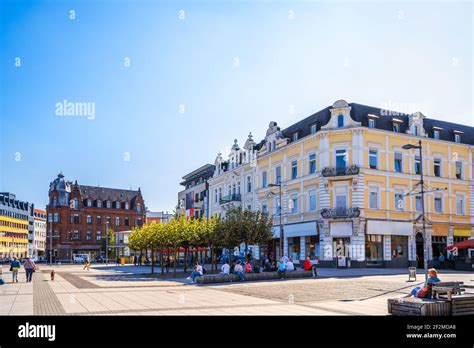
185	258
161	262
212	259
174	263
152	261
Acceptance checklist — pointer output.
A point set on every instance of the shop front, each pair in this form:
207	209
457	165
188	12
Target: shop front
439	243
341	233
387	243
301	240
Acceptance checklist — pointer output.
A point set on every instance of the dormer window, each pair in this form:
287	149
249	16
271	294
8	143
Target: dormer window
54	202
126	206
340	121
371	123
396	127
108	204
139	208
89	203
313	129
117	205
415	130
99	203
295	136
436	134
457	137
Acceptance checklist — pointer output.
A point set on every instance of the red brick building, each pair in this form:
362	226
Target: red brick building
80	215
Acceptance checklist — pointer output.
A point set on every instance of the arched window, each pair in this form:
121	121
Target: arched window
54	202
340	121
249	184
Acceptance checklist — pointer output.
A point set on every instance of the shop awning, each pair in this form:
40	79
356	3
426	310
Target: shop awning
389	228
465	244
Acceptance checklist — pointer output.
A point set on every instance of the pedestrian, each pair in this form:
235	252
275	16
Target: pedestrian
87	266
30	267
238	270
168	264
14	268
441	260
196	273
281	268
225	269
140	260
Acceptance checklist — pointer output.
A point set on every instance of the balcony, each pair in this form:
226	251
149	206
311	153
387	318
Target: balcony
230	198
335	171
340	213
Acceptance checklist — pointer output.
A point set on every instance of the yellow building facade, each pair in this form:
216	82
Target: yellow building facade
16	222
349	188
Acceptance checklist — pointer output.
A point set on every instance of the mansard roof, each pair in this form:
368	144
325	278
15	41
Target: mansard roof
95	192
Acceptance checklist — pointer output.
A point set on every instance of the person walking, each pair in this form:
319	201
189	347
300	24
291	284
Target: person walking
87	266
441	261
30	267
15	267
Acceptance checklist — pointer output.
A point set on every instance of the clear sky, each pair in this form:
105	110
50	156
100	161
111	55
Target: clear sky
174	82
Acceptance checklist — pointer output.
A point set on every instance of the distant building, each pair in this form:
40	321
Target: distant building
158	216
37	239
80	216
193	201
16	223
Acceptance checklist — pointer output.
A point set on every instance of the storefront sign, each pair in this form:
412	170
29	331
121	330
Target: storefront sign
389	228
440	230
462	232
300	230
340	229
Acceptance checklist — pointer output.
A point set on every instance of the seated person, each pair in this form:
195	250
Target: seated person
198	272
290	266
308	266
239	271
274	266
225	269
281	268
248	267
422	292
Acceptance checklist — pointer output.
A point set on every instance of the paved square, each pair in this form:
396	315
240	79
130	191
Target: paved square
127	290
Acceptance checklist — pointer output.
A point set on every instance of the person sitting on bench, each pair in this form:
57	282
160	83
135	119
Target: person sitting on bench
238	270
225	269
422	292
308	266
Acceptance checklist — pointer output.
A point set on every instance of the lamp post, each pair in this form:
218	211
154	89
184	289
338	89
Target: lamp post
423	218
279	210
50	243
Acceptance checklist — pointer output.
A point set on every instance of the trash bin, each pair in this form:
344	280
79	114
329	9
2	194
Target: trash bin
122	260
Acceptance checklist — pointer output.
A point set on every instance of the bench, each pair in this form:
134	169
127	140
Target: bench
418	307
447	289
462	305
227	278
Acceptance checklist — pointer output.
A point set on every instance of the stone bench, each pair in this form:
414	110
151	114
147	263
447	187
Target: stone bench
227	278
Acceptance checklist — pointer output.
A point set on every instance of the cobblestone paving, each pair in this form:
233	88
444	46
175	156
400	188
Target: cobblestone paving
45	301
77	281
321	290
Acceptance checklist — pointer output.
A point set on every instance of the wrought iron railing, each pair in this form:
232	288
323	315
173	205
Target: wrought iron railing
335	213
231	198
336	171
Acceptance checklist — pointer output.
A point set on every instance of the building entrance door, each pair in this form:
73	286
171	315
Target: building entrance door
341	247
420	251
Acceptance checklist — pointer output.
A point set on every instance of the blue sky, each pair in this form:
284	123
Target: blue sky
233	65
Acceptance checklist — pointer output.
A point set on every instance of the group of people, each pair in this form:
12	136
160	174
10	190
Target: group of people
284	265
29	266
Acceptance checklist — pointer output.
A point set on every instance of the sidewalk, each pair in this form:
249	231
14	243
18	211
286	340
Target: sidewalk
16	298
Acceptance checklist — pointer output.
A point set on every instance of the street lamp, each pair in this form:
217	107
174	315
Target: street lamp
422	185
281	226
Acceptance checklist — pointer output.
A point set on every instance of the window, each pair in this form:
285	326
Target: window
55	202
294	205
373	159
341	197
107	220
399	246
457	138
295	136
88	219
312	201
238	189
215	196
396	128
294	169
75	218
249	184
399	203
340	159
415	129
99	220
127	206
99	203
108	204
88	235
98	235
75	203
278	175
313	129
459	170
398	162
438	205
374	198
371	123
418	203
437	167
264	208
276	206
264	179
50	217
220	193
139	207
417	165
117	221
459	205
56	217
117	205
89	203
340	121
436	134
312	163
